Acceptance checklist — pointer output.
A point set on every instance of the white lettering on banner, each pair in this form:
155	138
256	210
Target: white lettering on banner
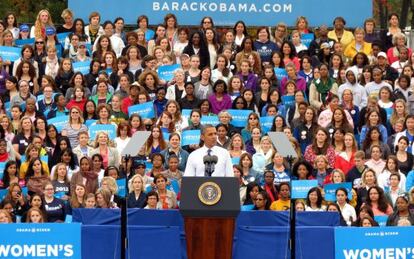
39	250
221	7
384	253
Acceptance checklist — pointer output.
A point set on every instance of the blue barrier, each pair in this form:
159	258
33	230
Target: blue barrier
258	234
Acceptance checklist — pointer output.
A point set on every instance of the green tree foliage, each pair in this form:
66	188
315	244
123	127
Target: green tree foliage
26	10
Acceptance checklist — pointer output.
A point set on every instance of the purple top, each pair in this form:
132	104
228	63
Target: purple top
251	82
218	106
300	84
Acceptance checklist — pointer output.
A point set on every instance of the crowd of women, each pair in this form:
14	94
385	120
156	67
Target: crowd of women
344	100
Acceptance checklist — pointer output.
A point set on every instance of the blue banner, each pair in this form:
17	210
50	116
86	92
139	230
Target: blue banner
10	53
381	220
145	110
212	120
190	137
82	67
21	43
266	123
307	38
121	187
288	100
280	73
300	188
331	188
253	13
390	242
174	186
239	117
166	72
108	128
59	122
61	37
40	241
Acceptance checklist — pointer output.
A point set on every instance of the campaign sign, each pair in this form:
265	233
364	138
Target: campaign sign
10	53
280	73
212	120
300	188
331	188
108	128
82	66
46	240
145	110
239	117
307	38
166	136
121	187
253	13
21	43
374	242
3	193
266	123
190	137
185	114
59	50
288	100
88	123
381	220
62	36
235	160
166	72
59	122
2	166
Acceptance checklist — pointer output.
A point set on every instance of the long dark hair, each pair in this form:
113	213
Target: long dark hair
318	193
382	201
6	177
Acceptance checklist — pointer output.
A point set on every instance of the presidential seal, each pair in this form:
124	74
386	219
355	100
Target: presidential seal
209	193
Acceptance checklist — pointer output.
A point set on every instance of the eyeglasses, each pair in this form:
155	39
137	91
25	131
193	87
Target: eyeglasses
39	42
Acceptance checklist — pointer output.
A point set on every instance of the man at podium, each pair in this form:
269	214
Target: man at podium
209	160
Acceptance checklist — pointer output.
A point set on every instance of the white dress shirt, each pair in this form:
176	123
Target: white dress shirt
195	165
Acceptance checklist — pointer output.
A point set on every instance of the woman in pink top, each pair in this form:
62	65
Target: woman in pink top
379	204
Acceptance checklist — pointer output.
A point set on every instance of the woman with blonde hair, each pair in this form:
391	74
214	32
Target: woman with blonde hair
74	126
78	197
103	146
35	215
5	216
110	184
136	197
43	20
103	199
400	111
236	147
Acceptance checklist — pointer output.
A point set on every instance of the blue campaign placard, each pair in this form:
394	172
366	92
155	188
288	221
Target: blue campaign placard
47	240
10	53
20	42
280	73
2	166
88	123
145	110
235	160
288	100
331	188
81	66
247	207
374	242
381	220
59	122
174	186
212	120
59	195
59	50
166	72
3	193
190	137
266	123
166	136
62	36
253	13
307	38
108	128
239	117
300	188
121	187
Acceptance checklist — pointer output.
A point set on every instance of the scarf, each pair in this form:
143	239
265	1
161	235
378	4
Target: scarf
3	157
323	88
52	64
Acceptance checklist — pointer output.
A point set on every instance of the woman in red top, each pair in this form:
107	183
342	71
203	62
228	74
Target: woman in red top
345	159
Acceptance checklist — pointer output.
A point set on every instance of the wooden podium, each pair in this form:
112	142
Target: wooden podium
209	206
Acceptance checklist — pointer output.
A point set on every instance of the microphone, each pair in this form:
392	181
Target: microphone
213	162
207	165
